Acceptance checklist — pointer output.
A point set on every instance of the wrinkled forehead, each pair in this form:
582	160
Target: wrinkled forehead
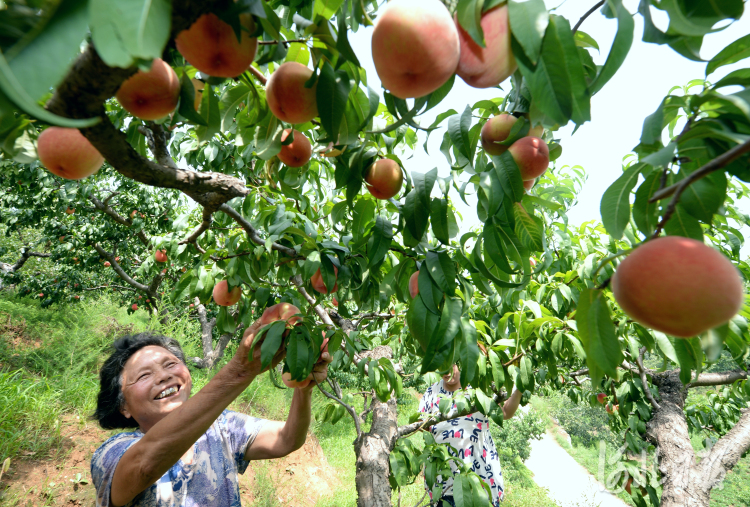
145	357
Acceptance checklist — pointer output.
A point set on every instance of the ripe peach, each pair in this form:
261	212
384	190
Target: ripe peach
211	46
160	256
529	184
335	301
298	152
601	397
286	377
287	96
134	306
280	311
609	408
531	155
317	282
41	295
107	264
223	296
70	211
414	284
76	297
67	153
151	95
62	239
678	286
497	130
415	47
483	67
384	178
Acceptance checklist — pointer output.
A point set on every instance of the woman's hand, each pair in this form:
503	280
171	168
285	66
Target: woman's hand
252	366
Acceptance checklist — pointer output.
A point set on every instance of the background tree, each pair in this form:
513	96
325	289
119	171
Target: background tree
284	177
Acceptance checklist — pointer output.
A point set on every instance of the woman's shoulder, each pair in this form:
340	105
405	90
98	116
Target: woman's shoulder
120	440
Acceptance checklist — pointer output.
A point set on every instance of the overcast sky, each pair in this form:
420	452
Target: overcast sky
618	111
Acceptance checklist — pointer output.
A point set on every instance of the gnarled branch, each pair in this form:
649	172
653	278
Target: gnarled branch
120	272
644	381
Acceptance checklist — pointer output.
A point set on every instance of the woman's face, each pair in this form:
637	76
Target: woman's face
154	382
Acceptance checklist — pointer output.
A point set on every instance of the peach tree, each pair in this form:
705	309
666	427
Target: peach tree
210	146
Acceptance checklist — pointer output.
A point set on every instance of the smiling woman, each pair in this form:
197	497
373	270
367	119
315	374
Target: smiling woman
186	450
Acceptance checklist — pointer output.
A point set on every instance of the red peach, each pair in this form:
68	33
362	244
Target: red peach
67	153
223	296
151	95
484	67
384	178
298	152
287	96
531	155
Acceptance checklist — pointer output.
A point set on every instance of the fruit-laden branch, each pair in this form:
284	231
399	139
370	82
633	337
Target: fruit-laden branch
453	413
677	189
718	379
26	254
120	287
253	235
105	208
725	454
118	269
588	13
371	316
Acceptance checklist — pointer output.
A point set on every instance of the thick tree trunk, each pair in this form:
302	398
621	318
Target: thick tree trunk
372	450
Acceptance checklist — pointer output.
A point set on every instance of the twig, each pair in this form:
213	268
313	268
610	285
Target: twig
109	287
258	75
348	408
588	13
203	227
644	381
118	269
272	42
677	189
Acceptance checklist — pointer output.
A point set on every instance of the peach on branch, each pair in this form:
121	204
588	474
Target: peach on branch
415	47
483	67
287	97
317	282
225	297
134	306
529	184
384	178
414	284
531	155
678	286
298	152
151	95
160	256
601	397
497	129
70	211
286	377
280	311
67	153
107	264
211	46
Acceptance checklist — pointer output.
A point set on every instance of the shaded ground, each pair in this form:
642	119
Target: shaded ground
299	480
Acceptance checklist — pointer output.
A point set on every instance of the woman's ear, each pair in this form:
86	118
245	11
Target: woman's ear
124	411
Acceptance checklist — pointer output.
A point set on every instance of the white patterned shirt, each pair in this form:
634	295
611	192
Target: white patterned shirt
211	480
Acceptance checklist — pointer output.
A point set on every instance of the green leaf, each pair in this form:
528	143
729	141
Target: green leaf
128	30
696	19
210	108
525	380
267	138
646	214
441	342
331	95
689	356
682	223
661	158
439	220
705	196
469	352
442	269
273	337
615	205
736	51
528	22
342	37
620	46
43	55
231	99
298	355
458	128
416	208
422	322
509	175
529	228
380	241
469	14
326	8
597	333
187	102
557	83
498	373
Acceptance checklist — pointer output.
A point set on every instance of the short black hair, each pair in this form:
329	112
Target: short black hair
111	398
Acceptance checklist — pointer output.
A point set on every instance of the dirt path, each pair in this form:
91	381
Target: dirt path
568	483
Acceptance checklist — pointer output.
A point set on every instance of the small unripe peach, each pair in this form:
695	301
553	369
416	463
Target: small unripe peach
384	178
415	47
531	155
211	46
287	97
414	284
151	95
223	296
298	152
67	153
678	286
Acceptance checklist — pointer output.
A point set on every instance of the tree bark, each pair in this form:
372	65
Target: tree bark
373	449
211	354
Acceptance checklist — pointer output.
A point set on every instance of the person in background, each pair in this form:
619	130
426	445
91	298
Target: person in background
470	436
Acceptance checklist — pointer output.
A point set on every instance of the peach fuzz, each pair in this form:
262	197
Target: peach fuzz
223	296
211	46
497	129
415	47
67	153
384	178
414	284
287	96
678	286
484	67
317	282
531	155
150	95
298	152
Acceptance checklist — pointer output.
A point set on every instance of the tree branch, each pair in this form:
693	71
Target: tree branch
349	408
718	379
258	75
644	381
253	235
107	210
677	189
26	254
118	269
727	451
588	13
203	227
